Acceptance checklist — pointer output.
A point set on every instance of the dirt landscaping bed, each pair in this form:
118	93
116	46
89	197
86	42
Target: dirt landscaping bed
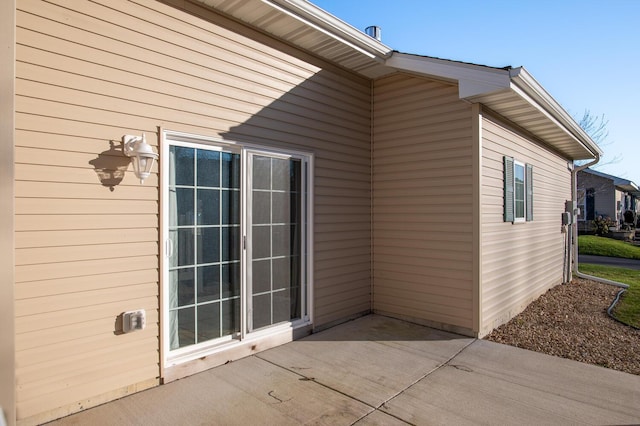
571	321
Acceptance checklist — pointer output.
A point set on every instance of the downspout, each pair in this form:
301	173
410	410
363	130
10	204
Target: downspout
573	242
372	289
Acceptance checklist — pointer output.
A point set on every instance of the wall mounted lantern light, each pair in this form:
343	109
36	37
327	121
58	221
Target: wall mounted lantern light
141	153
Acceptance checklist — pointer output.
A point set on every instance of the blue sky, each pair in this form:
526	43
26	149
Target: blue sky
586	53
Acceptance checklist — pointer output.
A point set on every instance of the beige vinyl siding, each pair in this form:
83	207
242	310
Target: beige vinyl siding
422	202
519	261
90	72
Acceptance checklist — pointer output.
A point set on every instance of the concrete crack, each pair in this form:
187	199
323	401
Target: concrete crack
276	398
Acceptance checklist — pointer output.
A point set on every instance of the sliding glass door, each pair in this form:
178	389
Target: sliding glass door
236	248
204	235
275	253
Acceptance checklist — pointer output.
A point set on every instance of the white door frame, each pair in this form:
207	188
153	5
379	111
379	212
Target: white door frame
171	358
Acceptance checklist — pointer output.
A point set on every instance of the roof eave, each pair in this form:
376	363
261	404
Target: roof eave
629	189
524	81
328	23
506	91
512	93
627	186
620	184
310	28
472	79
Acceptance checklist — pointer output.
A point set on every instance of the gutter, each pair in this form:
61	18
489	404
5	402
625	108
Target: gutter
525	82
321	20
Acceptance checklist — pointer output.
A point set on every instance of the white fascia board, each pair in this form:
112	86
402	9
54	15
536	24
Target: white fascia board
472	79
330	25
627	186
630	187
526	86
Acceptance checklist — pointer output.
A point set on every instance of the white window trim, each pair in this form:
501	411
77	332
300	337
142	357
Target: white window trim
517	219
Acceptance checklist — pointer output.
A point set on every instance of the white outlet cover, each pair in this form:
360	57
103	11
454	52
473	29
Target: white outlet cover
134	320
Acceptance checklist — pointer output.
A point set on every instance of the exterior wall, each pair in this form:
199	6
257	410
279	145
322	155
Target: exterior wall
604	195
422	203
87	243
604	198
519	261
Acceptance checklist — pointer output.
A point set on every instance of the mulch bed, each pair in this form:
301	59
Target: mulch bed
571	321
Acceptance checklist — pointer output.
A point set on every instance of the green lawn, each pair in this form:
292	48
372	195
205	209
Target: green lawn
628	308
603	246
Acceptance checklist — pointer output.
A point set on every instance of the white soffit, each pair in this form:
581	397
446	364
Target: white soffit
547	119
472	79
309	27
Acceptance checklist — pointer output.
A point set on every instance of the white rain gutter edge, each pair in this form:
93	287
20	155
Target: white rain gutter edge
322	20
526	83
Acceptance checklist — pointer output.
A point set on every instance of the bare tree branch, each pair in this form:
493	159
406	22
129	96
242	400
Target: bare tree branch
596	128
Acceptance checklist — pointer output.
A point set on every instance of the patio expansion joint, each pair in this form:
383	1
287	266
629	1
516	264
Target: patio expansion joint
381	405
312	379
427	374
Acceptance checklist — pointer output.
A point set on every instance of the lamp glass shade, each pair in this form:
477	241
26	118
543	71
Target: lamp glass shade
142	166
142	156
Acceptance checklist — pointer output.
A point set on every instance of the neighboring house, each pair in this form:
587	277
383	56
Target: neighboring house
308	174
600	194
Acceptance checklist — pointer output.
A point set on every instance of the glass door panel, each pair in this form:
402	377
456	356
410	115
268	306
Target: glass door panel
204	232
235	258
276	240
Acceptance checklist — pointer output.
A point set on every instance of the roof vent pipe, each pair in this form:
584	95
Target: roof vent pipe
374	31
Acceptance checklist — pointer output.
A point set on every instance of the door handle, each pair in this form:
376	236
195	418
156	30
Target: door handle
168	247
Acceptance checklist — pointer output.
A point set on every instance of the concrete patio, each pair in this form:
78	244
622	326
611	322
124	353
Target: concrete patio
380	371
